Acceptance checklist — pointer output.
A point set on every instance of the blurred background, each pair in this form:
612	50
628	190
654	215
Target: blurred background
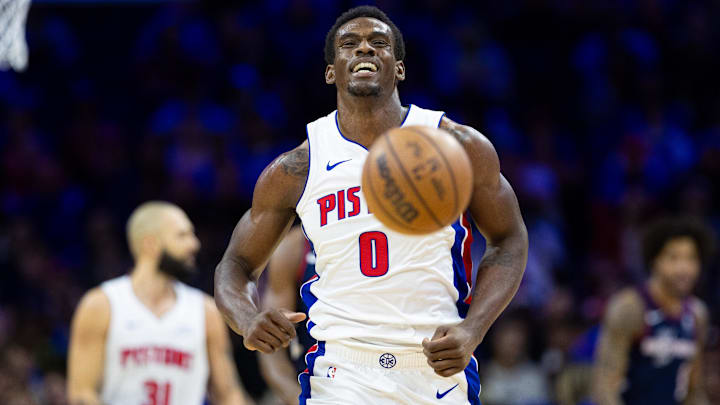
605	114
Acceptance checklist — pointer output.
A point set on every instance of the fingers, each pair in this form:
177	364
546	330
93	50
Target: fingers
446	362
444	352
263	341
443	365
443	343
440	332
448	372
447	367
295	317
274	341
447	354
255	344
283	324
270	331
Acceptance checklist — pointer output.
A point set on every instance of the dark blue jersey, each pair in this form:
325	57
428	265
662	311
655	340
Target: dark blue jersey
659	366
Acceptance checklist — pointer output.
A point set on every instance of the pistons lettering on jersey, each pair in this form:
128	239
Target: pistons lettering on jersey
140	356
339	202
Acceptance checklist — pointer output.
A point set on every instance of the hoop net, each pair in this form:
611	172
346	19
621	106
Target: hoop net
13	48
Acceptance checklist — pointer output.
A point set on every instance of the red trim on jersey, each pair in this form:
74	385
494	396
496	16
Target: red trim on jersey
312	349
467	252
314	277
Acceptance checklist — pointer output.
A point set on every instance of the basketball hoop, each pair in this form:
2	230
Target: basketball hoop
13	49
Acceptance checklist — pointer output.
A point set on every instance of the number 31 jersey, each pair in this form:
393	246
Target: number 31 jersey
375	287
152	360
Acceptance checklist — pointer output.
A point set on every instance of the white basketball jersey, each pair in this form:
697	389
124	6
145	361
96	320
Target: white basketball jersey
151	360
375	286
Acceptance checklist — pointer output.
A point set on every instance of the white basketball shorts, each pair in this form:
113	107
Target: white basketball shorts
336	374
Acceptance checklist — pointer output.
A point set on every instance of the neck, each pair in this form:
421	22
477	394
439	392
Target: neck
667	301
362	119
150	285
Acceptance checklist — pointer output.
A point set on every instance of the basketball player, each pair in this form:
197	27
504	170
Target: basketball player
292	264
392	314
652	336
146	338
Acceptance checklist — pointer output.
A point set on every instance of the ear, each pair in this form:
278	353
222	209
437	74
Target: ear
400	70
330	74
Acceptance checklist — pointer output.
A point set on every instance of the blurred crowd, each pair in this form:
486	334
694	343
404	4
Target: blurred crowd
605	115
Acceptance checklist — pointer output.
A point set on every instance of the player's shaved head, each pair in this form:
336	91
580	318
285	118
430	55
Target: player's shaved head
148	220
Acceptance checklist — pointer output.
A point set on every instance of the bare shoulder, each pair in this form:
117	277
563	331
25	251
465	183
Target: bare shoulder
284	178
296	162
93	311
213	320
210	307
95	301
464	133
625	311
480	150
700	310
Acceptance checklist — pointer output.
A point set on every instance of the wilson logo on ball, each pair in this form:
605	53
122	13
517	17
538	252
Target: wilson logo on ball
392	192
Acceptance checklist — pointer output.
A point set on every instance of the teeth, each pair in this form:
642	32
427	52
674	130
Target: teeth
365	65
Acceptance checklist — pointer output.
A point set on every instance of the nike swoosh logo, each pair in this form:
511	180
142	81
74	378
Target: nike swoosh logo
330	167
440	396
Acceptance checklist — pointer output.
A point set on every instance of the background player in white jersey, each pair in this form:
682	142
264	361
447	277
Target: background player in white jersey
392	314
147	338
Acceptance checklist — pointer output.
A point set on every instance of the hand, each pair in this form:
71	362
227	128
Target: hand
271	329
450	349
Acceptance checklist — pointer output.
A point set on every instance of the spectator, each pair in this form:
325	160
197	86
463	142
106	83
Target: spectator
511	378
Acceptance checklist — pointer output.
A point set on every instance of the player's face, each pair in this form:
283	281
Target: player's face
678	266
365	64
179	240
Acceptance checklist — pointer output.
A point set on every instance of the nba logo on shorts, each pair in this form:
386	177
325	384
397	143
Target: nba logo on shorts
387	360
331	372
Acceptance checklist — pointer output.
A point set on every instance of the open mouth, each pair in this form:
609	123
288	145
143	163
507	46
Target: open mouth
364	69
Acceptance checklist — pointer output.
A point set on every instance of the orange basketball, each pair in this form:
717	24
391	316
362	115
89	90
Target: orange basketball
417	179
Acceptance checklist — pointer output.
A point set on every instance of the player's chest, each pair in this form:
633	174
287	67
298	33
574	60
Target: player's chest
668	341
336	196
179	331
142	343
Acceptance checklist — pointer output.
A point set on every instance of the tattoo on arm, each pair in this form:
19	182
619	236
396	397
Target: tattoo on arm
296	162
612	359
622	321
500	258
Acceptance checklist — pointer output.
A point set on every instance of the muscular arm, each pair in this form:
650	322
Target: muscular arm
623	322
224	382
495	210
87	348
696	388
252	242
276	368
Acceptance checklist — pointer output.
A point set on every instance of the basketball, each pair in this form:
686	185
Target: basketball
417	179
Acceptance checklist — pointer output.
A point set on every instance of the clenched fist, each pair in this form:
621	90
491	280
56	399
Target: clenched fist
271	329
450	349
